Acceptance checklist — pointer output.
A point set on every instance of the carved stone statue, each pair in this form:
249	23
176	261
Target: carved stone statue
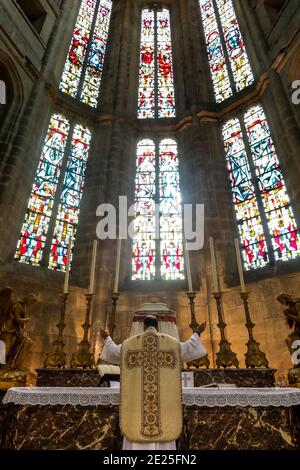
13	318
292	313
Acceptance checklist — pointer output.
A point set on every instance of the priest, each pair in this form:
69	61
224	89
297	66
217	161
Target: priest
151	396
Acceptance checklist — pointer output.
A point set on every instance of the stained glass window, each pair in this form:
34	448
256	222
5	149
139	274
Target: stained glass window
251	231
171	263
157	244
156	84
68	210
55	195
265	217
144	245
82	74
278	211
228	60
37	219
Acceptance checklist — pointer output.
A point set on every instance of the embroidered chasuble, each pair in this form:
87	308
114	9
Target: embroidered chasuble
151	398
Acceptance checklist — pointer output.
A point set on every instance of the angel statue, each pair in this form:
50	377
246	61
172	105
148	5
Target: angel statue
292	314
13	318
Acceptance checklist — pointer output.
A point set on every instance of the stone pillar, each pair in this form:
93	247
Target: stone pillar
20	167
286	133
256	44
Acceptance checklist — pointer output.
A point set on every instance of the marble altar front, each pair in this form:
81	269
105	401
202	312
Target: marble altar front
214	419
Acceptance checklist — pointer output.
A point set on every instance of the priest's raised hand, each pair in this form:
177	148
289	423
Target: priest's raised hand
103	334
201	328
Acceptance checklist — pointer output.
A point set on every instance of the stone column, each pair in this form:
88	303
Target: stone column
286	133
256	44
120	142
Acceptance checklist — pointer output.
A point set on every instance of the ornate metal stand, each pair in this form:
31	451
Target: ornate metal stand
57	357
83	358
112	319
203	361
254	356
225	357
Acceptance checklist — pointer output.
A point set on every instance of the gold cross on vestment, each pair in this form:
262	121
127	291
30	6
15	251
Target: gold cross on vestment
150	359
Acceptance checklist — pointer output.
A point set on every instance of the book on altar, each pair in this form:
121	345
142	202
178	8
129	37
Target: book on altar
218	385
114	384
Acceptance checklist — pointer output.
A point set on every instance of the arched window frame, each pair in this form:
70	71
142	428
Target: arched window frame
155	109
13	110
94	35
255	180
52	215
159	276
224	68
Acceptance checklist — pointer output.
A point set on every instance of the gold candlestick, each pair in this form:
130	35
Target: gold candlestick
112	320
254	357
225	357
83	358
203	361
57	357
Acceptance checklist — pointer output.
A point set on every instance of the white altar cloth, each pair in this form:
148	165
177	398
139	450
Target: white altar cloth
91	396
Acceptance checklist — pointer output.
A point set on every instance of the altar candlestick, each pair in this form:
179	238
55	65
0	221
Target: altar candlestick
93	268
239	263
188	269
117	271
213	266
67	274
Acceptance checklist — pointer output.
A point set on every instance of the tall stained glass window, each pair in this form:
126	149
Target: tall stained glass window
82	74
266	222
157	244
156	97
228	60
68	210
53	208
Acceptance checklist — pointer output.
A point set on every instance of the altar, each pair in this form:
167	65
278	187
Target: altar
74	418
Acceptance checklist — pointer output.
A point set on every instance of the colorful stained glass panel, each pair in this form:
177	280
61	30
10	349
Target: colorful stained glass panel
69	207
82	73
279	214
158	201
166	92
144	248
254	247
216	57
34	231
96	55
146	100
241	69
156	96
228	60
171	245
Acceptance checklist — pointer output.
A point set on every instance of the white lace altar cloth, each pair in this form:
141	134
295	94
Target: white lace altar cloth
90	396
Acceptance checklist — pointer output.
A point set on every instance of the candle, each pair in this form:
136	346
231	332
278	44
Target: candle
67	274
93	268
213	266
239	263
188	269
117	271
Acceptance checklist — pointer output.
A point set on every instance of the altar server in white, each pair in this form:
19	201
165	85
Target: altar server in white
151	396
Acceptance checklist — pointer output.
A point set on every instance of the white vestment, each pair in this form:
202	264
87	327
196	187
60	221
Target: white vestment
190	350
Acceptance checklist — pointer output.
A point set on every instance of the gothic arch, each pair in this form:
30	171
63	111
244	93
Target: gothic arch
14	96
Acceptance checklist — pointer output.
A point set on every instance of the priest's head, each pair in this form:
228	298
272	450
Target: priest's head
150	320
